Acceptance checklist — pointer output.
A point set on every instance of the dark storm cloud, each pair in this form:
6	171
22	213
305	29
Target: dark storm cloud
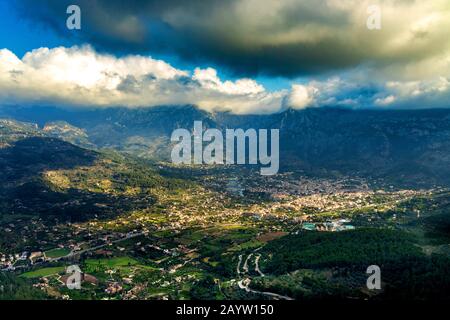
119	26
273	37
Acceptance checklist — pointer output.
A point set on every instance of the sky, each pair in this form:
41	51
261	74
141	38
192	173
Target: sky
243	56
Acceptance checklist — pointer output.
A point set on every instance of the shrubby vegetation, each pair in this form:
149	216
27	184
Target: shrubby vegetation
356	249
15	288
407	273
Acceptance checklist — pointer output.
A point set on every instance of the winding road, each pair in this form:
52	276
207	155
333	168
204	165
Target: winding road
244	283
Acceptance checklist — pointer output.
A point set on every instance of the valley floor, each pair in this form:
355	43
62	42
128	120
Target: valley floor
233	236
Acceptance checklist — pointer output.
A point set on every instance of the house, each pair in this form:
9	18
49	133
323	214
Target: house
34	256
113	288
85	278
102	252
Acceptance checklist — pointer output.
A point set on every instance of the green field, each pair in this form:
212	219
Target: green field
57	253
111	263
251	244
44	272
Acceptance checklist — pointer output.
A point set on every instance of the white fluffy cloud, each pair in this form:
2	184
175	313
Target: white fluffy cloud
301	96
79	76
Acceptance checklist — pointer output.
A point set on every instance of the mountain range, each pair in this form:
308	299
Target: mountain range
408	147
